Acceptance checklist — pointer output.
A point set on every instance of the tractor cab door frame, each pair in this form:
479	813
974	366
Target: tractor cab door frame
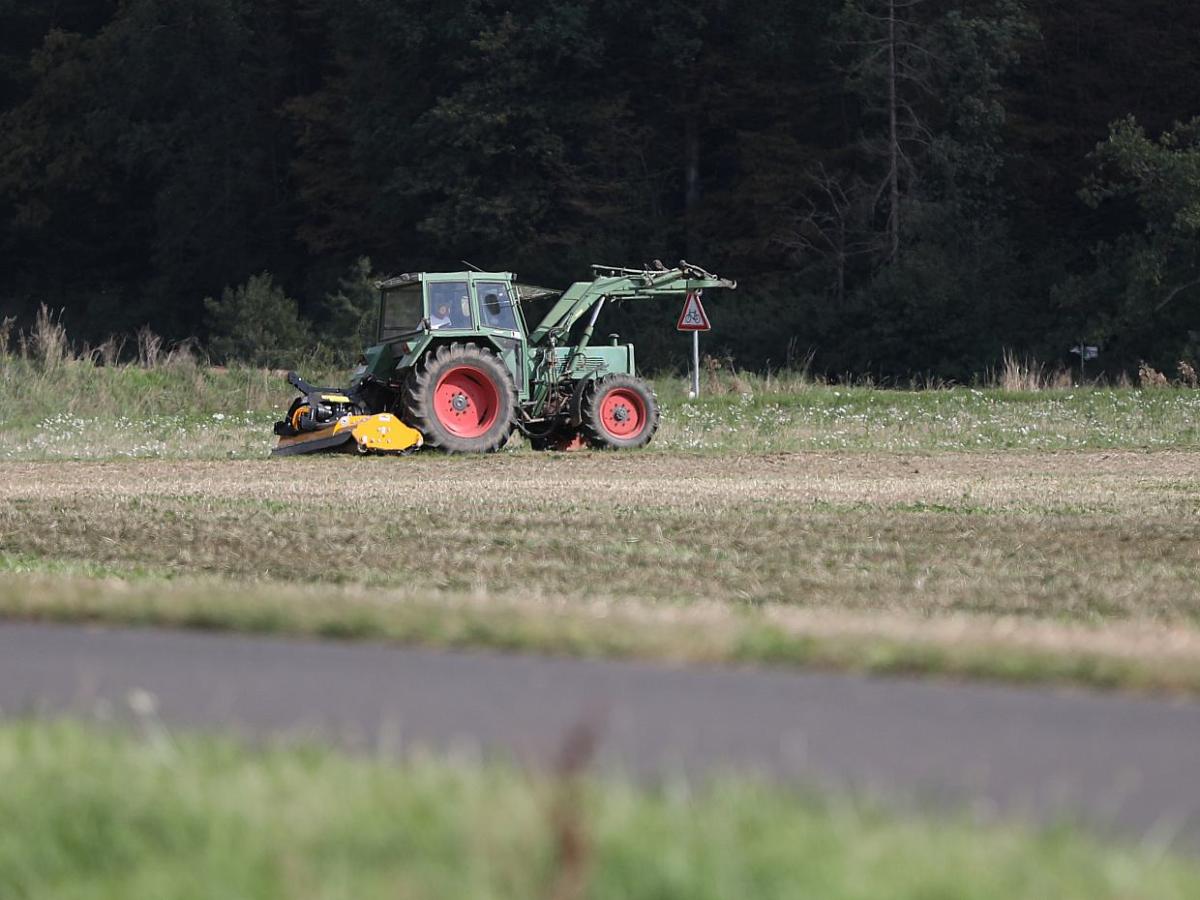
499	314
401	308
497	306
448	304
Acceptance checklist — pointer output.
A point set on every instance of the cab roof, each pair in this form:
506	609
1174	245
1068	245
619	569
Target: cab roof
396	281
524	291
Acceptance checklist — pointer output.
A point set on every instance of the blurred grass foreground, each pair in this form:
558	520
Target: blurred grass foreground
91	814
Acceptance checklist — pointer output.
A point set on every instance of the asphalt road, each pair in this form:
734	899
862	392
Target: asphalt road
1128	763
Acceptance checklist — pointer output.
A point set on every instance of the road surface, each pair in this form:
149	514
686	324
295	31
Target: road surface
1122	762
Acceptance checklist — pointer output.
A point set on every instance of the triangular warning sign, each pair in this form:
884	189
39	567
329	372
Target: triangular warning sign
693	317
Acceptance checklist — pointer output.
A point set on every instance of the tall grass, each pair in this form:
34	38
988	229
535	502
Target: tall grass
1015	374
7	324
96	814
1027	374
47	346
43	373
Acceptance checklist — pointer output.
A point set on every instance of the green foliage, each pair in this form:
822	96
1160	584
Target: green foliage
152	139
906	230
153	152
1145	284
939	68
350	313
258	324
167	816
1162	177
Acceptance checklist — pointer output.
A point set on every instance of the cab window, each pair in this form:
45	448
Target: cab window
495	305
449	305
401	310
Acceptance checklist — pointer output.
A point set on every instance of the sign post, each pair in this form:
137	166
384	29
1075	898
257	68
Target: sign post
1084	352
694	319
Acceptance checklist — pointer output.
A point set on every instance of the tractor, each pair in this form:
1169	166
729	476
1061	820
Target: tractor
456	367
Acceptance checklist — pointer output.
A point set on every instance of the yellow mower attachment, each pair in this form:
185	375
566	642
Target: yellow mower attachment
379	433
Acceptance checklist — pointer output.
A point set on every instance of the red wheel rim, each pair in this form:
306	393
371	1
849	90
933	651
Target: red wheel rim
466	402
622	412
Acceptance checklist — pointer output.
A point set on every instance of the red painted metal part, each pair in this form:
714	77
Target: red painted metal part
571	440
622	413
466	401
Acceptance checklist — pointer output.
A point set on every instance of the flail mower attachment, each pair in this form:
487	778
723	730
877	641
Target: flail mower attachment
329	420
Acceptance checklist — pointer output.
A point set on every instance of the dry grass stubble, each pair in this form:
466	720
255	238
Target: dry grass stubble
1071	536
1074	552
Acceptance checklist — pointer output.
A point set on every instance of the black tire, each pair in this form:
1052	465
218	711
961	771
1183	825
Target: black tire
485	401
542	442
620	412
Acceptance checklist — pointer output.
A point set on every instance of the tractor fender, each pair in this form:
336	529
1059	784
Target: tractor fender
576	406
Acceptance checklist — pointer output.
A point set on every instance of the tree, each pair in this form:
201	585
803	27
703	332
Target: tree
924	79
257	324
928	77
832	222
1146	281
890	70
350	312
894	182
1163	178
146	155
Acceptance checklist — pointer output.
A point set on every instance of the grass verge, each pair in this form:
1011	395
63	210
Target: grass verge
103	815
1127	657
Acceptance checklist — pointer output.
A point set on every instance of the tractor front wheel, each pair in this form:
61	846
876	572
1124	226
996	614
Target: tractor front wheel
620	412
462	399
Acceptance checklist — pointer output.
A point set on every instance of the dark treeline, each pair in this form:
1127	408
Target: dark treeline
901	186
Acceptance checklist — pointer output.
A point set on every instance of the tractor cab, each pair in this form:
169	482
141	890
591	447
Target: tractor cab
449	303
420	311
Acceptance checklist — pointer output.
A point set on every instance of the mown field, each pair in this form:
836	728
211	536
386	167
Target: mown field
1035	536
173	817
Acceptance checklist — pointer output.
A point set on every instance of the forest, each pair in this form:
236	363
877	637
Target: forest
902	188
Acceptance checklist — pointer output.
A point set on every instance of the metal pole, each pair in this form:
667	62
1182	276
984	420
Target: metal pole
695	364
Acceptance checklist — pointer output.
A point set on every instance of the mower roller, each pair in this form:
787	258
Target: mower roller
455	367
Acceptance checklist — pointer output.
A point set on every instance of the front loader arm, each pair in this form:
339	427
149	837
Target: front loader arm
622	284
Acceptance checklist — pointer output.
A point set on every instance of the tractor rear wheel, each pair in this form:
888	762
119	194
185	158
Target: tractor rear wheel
620	412
462	399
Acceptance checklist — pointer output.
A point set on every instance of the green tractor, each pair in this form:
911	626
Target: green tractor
458	368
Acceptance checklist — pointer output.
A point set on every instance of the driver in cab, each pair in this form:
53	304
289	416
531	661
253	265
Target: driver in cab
441	316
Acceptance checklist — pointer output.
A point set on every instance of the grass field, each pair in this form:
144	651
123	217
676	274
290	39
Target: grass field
74	410
106	816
